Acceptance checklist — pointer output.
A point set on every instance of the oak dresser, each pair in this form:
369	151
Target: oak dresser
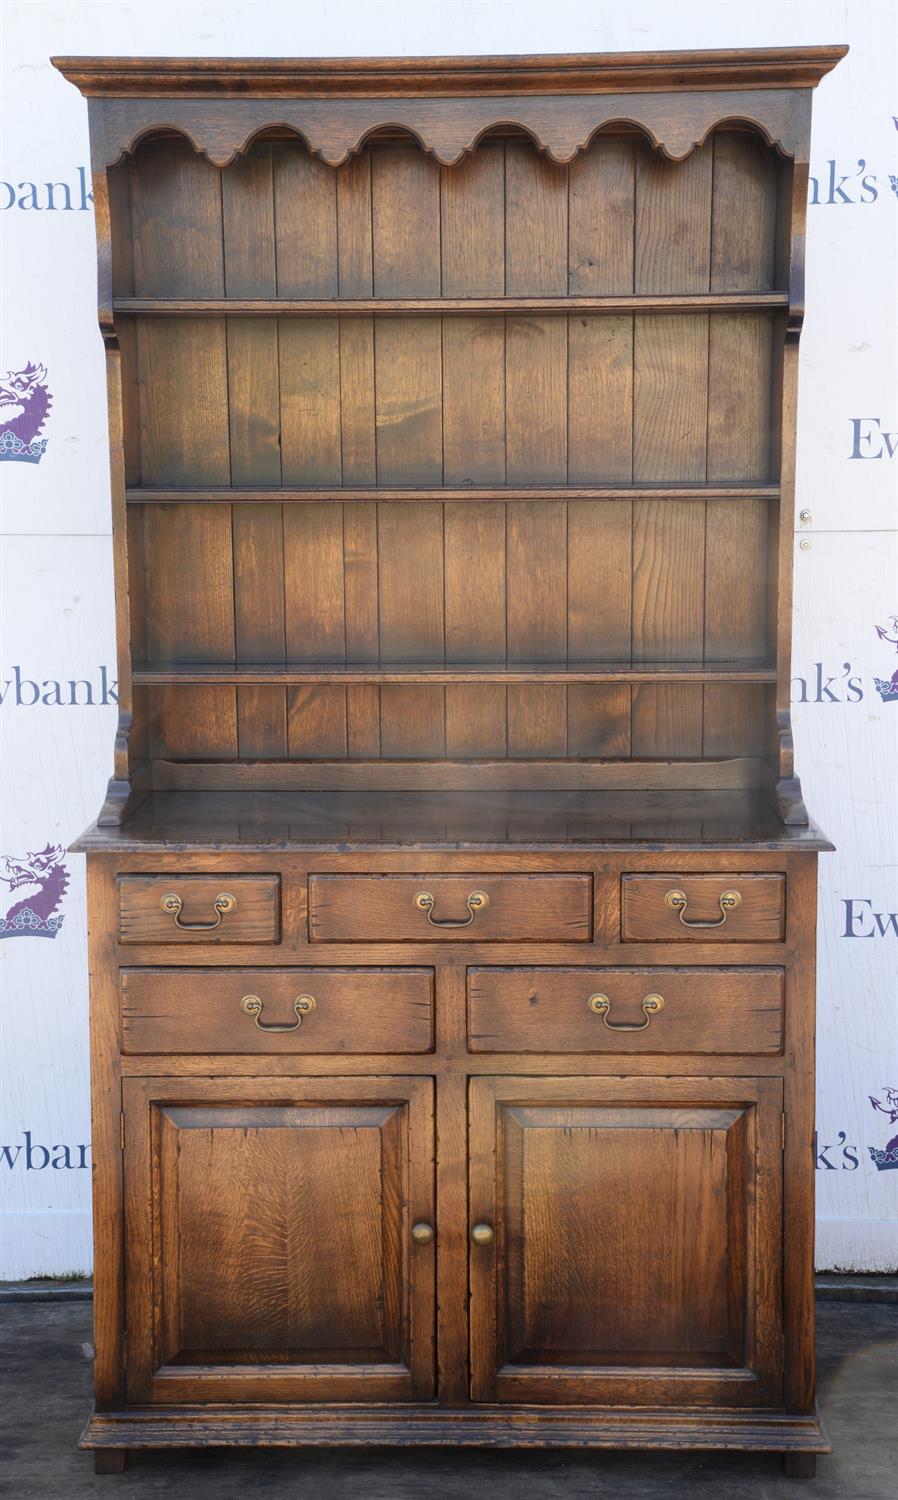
452	908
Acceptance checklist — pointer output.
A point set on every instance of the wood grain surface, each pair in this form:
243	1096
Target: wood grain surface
705	1011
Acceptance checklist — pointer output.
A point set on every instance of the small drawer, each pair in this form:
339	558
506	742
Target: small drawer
277	1010
199	908
626	1010
446	908
702	908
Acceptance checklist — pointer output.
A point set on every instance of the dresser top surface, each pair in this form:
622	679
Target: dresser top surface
488	821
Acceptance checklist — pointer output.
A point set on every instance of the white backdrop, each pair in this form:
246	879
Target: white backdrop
57	675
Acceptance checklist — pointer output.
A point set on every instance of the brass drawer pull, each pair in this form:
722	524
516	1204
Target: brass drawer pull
422	1234
301	1006
222	905
483	1234
727	903
602	1007
475	902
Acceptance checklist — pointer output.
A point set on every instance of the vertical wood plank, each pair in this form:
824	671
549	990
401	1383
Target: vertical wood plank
668	620
356	279
743	227
315	626
356	355
670	443
601	187
473	401
122	244
668	563
172	185
673	222
600	417
537	581
131	420
536	262
672	254
410	584
362	643
247	207
185	622
536	228
412	723
537	722
309	362
537	623
599	609
536	400
740	376
354	237
475	625
599	543
405	198
410	594
473	264
602	206
305	198
408	416
183	401
666	721
313	557
452	1197
259	626
472	206
670	415
254	425
475	582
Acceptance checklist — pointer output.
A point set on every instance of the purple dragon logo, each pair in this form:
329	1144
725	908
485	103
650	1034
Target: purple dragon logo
24	404
39	882
888	691
887	1159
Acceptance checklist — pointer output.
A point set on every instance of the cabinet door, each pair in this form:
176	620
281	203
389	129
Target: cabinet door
636	1240
269	1254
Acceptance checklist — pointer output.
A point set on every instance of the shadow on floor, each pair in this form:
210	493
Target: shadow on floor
45	1400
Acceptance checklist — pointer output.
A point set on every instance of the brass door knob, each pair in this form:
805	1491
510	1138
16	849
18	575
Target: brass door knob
483	1234
422	1234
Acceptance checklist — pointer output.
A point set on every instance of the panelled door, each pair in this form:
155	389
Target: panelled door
625	1240
270	1253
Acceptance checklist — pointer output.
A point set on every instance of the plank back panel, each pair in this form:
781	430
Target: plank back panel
364	402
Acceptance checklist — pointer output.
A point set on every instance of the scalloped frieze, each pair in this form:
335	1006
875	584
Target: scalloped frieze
448	129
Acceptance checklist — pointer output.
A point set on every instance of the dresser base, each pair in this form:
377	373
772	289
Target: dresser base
429	1426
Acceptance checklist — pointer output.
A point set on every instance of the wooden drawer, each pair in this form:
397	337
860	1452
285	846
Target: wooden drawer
702	908
248	909
556	1010
478	908
204	1010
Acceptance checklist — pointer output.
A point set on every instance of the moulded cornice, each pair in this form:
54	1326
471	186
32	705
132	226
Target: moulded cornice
561	73
448	104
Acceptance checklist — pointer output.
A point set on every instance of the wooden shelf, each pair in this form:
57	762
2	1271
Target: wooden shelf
174	674
316	307
576	817
158	495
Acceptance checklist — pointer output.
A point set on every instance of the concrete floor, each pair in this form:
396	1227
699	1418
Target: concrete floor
45	1399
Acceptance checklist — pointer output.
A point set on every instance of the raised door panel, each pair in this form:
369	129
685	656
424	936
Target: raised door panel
269	1248
635	1254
